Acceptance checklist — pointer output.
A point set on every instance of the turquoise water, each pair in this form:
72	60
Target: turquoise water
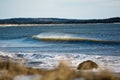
101	39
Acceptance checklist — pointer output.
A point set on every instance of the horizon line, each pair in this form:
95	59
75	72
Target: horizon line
58	18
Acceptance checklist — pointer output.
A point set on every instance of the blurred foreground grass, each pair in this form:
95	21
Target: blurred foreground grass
9	70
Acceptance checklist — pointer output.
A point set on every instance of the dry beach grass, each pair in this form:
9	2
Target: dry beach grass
8	70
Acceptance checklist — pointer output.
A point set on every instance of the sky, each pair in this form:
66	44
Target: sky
71	9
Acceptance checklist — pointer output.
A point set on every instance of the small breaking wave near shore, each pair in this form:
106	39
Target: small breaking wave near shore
50	60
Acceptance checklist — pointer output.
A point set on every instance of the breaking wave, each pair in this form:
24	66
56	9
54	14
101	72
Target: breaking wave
69	38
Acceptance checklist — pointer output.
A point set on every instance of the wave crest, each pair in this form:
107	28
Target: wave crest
50	36
53	35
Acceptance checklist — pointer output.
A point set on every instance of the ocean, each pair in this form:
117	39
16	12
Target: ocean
51	43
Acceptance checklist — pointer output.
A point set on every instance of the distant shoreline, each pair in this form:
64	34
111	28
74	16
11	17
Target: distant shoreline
8	25
55	21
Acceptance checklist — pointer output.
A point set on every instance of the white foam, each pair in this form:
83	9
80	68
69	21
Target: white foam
51	60
53	35
5	54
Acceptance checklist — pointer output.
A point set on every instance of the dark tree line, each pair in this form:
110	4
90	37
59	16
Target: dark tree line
57	21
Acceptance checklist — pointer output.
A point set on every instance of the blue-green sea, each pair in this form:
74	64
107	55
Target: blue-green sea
102	39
